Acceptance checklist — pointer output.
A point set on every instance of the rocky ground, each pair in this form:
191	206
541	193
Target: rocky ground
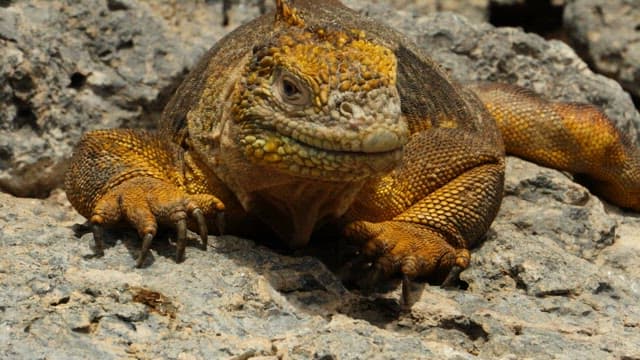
557	277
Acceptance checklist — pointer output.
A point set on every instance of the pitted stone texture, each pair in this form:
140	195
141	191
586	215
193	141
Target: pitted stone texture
606	34
67	67
536	288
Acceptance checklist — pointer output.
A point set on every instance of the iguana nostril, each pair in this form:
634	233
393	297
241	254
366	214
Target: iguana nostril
380	141
351	110
346	109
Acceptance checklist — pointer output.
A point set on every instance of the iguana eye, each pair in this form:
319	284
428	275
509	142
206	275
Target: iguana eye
291	90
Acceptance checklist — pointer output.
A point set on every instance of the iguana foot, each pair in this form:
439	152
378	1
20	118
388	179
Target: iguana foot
413	250
144	202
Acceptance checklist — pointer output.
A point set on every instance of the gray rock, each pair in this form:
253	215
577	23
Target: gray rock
237	299
67	67
474	10
606	33
537	287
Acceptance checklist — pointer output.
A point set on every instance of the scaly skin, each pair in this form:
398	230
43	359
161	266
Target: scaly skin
323	116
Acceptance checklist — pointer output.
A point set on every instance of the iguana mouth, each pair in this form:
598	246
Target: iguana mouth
316	157
374	141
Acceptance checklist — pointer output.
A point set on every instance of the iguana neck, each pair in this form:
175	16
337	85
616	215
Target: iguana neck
293	210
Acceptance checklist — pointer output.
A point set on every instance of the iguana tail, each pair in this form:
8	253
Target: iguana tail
577	138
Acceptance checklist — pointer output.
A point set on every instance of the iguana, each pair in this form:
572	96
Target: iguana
316	115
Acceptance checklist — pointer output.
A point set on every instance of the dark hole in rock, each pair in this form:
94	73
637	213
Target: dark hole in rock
23	83
226	7
115	5
25	117
537	16
6	153
77	80
125	45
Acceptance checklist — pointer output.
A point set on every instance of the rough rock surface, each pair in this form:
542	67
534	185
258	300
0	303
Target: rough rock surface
67	67
475	10
557	277
607	34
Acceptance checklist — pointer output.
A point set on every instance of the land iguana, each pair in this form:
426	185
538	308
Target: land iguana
317	115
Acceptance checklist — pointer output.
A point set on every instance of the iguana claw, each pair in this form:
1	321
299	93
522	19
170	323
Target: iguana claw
202	227
144	250
406	290
452	278
98	236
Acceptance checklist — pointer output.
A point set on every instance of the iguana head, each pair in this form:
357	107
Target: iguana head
320	102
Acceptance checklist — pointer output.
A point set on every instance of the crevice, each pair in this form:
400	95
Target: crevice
517	330
22	82
117	5
128	44
61	301
514	273
6	155
471	329
226	7
605	288
555	292
537	16
25	116
379	312
89	328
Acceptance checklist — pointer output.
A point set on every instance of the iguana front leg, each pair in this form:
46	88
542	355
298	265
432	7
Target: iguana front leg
421	219
137	177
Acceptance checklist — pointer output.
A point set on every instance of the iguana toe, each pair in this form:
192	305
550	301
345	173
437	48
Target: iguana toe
145	202
412	250
144	250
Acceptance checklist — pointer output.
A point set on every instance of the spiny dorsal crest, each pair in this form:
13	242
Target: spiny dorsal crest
286	13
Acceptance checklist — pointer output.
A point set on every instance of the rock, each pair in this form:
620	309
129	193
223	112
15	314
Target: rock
237	299
606	34
475	10
522	2
553	277
68	68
